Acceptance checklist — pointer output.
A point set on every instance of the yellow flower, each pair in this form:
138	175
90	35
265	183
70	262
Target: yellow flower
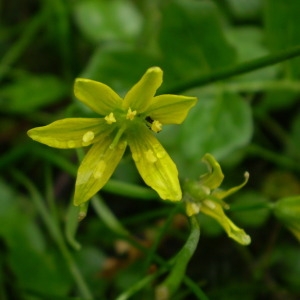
131	121
206	197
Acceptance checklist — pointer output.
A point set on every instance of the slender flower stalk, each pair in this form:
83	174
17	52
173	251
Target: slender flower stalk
130	121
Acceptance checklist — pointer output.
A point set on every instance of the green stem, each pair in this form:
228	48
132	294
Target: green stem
194	287
277	159
248	207
117	138
21	44
174	279
162	231
107	216
113	223
71	226
55	232
130	190
140	284
112	186
235	70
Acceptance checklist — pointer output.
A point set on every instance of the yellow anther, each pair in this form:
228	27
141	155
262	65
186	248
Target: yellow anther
88	136
110	118
150	156
210	204
130	114
192	208
156	126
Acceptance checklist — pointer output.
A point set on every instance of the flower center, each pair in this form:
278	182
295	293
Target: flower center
156	126
130	114
110	118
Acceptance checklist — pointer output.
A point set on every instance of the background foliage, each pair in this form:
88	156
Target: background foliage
248	122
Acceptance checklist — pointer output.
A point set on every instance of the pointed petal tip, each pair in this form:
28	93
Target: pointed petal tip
154	70
29	132
173	199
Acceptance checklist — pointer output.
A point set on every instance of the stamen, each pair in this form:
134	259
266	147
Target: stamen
193	208
130	114
88	136
150	156
156	126
110	118
117	138
210	204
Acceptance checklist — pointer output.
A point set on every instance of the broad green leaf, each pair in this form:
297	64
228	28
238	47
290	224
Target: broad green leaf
249	44
282	24
250	209
245	9
107	20
118	66
219	124
27	247
286	262
277	99
192	41
30	92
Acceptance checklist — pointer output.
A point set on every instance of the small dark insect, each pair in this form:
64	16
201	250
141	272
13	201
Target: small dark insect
149	120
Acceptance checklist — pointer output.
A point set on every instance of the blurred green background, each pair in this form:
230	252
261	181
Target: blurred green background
249	123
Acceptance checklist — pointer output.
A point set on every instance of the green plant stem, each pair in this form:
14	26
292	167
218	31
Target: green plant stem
107	216
72	226
56	234
195	288
113	223
277	159
235	70
112	186
247	207
140	284
174	279
21	43
50	192
162	231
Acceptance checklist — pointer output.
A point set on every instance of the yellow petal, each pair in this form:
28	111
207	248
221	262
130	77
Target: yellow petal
71	132
170	109
215	177
96	95
140	95
215	211
96	168
154	164
192	208
220	194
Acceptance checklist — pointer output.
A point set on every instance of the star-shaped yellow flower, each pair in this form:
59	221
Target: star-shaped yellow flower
206	197
131	121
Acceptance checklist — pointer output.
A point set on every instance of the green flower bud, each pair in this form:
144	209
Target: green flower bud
206	197
287	211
